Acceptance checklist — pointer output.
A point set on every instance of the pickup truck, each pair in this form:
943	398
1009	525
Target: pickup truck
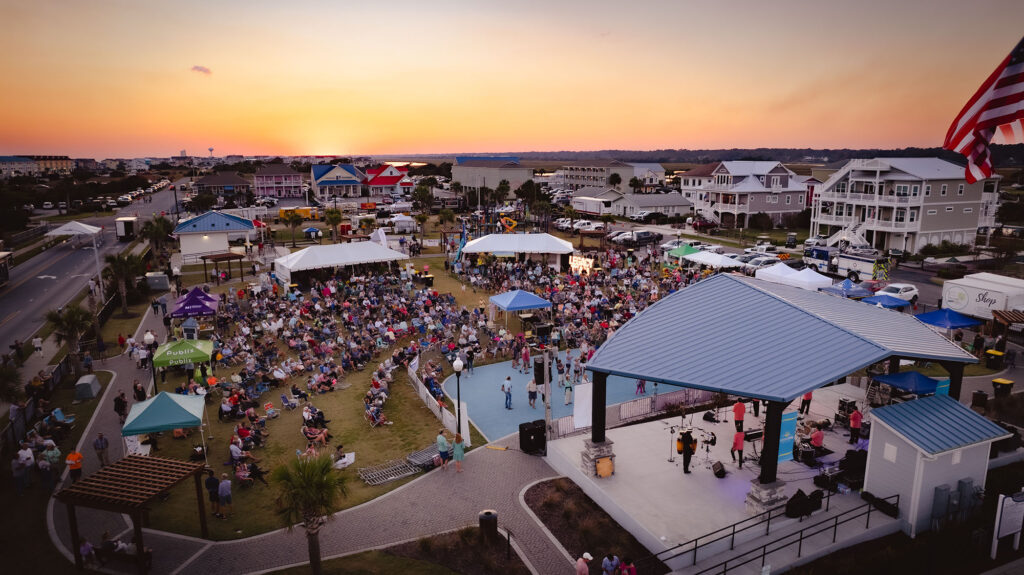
761	249
638	238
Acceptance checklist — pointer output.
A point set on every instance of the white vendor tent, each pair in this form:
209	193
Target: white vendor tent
807	278
79	229
713	260
333	256
518	244
403	224
778	273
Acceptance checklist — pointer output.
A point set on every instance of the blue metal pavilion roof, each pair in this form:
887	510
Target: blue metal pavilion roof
938	424
756	339
213	222
518	300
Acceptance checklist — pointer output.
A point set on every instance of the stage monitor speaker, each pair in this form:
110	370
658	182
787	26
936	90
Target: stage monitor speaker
719	469
543	330
753	434
538	373
533	437
710	416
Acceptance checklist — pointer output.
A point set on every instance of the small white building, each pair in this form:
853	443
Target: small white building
925	450
207	234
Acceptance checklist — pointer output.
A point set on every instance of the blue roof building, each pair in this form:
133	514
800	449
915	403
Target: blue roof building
208	234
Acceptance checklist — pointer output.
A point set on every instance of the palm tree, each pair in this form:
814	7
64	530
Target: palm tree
68	326
122	268
333	217
367	224
457	189
446	216
10	384
309	490
422	220
156	231
636	183
501	192
293	220
570	213
614	180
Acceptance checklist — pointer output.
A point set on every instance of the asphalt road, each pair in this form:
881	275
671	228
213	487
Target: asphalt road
52	278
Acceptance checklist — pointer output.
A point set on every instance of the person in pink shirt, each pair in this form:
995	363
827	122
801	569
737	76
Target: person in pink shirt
739	409
855	420
737	447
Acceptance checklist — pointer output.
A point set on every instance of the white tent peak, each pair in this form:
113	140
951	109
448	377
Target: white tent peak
75	229
519	244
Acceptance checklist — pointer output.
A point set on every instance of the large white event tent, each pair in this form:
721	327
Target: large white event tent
514	244
713	260
781	273
333	256
775	273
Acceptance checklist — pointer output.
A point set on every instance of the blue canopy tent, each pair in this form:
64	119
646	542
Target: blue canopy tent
886	301
911	381
518	300
947	319
165	412
847	289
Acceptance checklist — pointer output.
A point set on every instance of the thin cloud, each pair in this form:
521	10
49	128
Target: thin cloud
202	70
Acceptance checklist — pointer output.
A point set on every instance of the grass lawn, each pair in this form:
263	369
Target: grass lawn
35	552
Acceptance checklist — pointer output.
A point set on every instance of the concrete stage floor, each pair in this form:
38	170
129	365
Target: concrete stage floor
652	497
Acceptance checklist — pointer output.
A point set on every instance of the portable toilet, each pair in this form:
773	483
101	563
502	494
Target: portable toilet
190	328
87	387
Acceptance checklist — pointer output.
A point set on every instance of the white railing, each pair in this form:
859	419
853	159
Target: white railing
446	417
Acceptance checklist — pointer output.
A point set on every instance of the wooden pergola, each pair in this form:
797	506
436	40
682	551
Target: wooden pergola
127	487
599	234
347	238
227	257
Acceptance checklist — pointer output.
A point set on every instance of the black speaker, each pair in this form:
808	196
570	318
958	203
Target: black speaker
533	437
753	434
710	416
543	330
719	469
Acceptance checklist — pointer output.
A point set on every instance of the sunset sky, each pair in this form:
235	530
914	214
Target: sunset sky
130	78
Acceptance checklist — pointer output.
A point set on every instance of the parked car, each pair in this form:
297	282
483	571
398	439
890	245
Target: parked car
759	262
874	285
639	216
742	258
906	292
62	205
111	203
610	236
702	225
671	245
47	205
814	242
580	223
712	248
639	238
124	200
761	249
591	226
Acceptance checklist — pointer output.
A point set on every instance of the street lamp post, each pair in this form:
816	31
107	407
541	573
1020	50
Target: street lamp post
457	366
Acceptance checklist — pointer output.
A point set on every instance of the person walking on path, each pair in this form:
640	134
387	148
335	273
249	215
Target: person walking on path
442	449
458	452
37	343
100	445
74	462
121	407
506	388
641	387
568	392
224	496
531	393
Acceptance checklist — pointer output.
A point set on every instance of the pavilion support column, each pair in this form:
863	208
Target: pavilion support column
956	378
770	451
140	547
598	448
73	522
204	531
894	364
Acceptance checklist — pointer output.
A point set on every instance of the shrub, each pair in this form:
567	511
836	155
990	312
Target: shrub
425	545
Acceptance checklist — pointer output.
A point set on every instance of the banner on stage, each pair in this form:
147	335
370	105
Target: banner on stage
787	435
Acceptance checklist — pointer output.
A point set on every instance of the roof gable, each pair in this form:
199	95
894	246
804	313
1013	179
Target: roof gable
213	222
937	424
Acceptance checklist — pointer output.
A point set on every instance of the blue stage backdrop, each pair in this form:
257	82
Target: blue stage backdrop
786	436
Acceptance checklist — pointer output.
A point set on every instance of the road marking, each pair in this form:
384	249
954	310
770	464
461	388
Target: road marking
46	277
9	318
41	268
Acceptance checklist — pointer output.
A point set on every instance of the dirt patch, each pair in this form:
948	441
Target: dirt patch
580	525
464	551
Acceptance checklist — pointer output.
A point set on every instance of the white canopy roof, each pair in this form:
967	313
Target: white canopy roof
75	229
713	260
337	255
807	278
518	244
776	273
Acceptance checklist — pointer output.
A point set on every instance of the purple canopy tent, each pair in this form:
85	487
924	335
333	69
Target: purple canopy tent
194	305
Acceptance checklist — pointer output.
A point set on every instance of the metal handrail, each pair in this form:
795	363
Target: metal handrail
763	551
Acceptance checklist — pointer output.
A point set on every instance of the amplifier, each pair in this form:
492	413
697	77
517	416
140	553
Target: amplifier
847	405
753	434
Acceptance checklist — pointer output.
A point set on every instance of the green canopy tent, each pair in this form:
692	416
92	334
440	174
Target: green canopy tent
674	257
165	412
182	352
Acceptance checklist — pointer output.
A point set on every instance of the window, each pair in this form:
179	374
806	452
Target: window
968	210
942	190
928	190
889	453
776	181
932	212
960	190
902	190
915	190
949	209
913	215
901	215
841	188
789	199
800	199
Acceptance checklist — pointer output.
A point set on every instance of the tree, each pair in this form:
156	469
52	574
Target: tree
367	224
636	183
293	220
527	192
203	202
501	192
422	220
333	217
1010	213
429	182
10	384
446	216
156	231
615	179
69	326
457	188
608	220
760	221
570	213
122	268
309	491
422	197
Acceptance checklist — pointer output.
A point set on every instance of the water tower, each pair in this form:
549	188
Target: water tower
211	151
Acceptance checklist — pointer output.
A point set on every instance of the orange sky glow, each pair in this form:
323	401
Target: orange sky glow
116	79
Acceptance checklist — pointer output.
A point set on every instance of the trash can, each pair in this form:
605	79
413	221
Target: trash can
1001	387
979	399
994	359
489	524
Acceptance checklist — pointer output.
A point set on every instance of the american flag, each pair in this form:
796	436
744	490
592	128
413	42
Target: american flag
996	109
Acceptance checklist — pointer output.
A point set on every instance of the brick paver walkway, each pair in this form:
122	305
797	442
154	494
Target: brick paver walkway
437	502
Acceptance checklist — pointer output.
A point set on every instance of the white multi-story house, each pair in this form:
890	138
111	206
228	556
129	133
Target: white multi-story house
902	203
740	189
277	181
692	181
598	173
17	166
475	172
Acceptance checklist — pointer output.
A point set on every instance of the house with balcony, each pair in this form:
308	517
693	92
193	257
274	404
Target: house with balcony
226	185
692	181
11	166
336	181
277	181
902	203
388	180
598	173
740	189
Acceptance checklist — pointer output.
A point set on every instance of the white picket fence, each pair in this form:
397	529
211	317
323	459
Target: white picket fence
446	417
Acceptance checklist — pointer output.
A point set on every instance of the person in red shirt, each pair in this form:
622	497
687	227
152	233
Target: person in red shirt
818	439
737	446
74	462
739	409
805	404
855	420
